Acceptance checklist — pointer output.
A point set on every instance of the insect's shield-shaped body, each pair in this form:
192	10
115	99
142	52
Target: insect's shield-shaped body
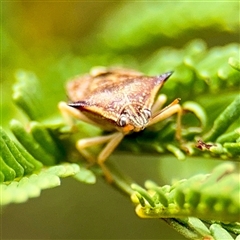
115	98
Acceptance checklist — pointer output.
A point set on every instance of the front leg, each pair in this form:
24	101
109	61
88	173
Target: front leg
171	109
112	141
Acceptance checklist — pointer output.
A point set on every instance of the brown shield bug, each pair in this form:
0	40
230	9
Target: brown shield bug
120	101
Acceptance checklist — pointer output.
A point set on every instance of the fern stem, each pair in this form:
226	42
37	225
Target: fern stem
182	228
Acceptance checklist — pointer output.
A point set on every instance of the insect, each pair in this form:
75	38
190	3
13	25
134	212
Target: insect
120	101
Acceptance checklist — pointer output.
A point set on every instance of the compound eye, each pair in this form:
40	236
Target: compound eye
123	121
147	113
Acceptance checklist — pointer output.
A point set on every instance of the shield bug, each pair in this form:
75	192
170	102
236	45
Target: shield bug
117	100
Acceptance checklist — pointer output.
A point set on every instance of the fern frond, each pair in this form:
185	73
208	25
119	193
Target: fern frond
197	70
31	186
36	148
210	197
22	176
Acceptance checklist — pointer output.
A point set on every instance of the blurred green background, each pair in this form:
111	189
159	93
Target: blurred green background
58	40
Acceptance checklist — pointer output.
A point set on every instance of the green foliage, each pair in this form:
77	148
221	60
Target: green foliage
204	70
168	21
199	196
202	196
28	95
201	48
187	201
20	190
15	160
222	123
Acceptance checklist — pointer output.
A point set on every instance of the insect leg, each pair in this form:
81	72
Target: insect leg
111	145
159	102
168	111
116	138
84	143
112	141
